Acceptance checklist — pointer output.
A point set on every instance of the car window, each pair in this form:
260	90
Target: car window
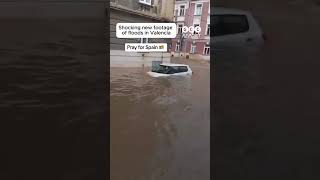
229	24
182	69
172	70
169	69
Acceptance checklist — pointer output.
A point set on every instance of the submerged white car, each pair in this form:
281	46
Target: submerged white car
165	70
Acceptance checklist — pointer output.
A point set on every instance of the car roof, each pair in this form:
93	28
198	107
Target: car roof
221	10
169	64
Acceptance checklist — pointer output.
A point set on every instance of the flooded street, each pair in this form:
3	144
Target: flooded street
160	128
52	99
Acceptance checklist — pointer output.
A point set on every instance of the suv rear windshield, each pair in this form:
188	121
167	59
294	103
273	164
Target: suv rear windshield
170	69
229	24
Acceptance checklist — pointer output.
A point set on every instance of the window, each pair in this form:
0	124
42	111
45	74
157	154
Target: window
173	69
144	40
193	49
181	10
180	28
229	24
182	69
148	2
208	30
164	69
198	9
206	50
177	47
195	25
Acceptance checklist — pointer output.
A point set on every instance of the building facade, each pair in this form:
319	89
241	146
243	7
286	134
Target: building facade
138	11
192	13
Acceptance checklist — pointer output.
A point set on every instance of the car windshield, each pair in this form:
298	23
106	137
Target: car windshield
164	69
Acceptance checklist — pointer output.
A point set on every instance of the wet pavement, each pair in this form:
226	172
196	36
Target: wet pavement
160	128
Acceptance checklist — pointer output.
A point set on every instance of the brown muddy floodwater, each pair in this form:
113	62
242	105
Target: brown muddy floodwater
52	97
160	128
